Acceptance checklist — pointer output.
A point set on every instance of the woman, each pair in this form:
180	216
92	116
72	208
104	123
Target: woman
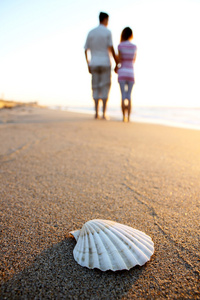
127	55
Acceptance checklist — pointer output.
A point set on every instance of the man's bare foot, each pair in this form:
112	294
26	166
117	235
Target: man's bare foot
105	118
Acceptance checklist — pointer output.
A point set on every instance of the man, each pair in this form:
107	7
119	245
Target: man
99	43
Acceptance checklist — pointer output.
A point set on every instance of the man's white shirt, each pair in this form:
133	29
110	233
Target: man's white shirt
98	41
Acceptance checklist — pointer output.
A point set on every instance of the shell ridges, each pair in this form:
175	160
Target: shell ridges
108	245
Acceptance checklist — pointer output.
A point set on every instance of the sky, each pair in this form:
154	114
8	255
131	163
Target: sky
42	50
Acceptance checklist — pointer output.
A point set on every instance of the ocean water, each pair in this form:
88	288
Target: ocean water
169	116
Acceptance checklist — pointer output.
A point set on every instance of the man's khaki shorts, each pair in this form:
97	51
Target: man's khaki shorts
100	82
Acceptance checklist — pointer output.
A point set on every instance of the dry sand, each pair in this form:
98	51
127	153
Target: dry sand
59	170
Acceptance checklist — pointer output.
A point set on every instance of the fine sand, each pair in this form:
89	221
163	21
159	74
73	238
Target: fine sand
60	169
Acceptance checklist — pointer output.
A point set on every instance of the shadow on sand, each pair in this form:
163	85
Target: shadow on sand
54	274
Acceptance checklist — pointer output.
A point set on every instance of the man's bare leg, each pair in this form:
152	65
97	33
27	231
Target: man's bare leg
96	101
104	108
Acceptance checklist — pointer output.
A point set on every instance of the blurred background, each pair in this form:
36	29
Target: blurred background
42	55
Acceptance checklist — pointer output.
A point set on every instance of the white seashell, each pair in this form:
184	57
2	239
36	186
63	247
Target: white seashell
109	245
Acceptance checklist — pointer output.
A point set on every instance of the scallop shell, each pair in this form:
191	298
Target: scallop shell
109	245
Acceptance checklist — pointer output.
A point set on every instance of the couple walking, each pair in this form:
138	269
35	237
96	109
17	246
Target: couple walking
99	43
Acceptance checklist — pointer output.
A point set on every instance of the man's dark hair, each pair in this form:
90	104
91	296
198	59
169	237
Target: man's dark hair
103	16
126	34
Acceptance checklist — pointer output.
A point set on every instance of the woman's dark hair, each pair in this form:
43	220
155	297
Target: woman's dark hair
103	16
126	34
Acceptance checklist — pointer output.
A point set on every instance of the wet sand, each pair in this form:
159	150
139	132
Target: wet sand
60	169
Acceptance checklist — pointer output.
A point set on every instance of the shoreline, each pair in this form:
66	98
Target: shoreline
139	114
134	116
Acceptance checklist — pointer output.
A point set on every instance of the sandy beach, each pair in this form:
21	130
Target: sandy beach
60	169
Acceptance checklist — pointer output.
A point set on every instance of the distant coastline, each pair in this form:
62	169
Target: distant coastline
8	104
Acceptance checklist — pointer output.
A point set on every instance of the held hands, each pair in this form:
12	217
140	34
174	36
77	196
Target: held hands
117	67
